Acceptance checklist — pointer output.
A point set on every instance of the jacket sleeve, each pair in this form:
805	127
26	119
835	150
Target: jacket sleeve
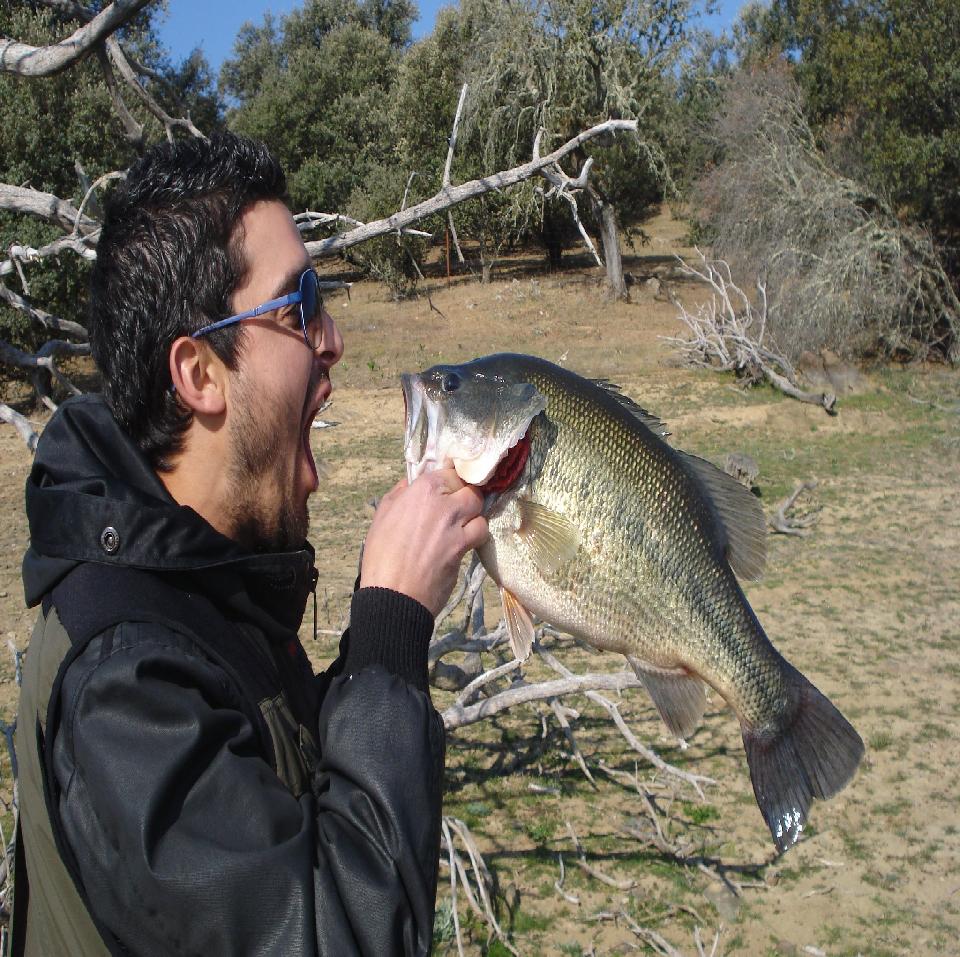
187	842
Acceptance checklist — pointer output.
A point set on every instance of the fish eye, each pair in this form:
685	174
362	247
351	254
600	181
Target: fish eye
450	382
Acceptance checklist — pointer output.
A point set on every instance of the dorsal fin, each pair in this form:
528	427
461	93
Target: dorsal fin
739	514
655	425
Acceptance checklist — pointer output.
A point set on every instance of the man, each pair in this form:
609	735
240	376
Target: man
187	786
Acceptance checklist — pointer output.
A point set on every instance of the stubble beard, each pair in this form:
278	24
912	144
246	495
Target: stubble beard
265	515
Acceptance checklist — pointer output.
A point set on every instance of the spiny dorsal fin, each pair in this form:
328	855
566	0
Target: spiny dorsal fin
655	425
553	539
739	514
519	624
678	695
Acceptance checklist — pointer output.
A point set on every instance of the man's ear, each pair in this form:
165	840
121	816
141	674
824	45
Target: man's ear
199	377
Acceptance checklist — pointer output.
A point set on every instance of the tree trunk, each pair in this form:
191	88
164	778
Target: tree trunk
616	284
486	263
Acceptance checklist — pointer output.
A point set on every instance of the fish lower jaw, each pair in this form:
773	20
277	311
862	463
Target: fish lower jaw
417	468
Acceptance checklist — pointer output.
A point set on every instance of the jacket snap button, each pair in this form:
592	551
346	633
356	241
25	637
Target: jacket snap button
110	539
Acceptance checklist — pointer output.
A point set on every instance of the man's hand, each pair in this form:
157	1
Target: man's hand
420	533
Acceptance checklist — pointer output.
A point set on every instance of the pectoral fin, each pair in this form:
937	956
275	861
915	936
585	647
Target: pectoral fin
553	539
678	695
519	624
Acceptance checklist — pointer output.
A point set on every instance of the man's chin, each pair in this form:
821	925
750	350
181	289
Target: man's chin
283	531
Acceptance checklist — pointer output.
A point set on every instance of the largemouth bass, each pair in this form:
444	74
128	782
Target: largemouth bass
601	528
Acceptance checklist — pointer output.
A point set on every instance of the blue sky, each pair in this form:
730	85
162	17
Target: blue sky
213	24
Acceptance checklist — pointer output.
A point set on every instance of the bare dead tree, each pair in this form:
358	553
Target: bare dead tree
840	270
495	682
451	196
481	695
729	332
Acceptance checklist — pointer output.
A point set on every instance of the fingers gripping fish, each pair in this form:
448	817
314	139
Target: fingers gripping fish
600	527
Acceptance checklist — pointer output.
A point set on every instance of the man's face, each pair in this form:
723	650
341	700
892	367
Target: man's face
278	386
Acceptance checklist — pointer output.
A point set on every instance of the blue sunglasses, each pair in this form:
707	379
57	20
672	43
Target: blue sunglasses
311	308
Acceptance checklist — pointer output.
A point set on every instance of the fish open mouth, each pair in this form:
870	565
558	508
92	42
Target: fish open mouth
478	428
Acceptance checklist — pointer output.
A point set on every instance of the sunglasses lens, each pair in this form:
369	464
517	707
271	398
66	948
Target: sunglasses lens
309	304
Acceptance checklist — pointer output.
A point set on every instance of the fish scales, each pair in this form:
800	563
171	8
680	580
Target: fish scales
601	528
643	526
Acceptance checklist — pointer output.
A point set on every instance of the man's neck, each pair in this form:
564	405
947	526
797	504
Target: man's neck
199	479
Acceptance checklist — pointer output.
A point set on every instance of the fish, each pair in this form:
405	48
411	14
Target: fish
606	531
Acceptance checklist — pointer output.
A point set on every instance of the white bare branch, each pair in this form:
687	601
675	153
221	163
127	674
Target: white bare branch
132	127
170	123
25	60
97	184
33	202
45	360
727	332
453	136
695	780
594	872
309	220
83	246
453	829
446	170
778	520
454	195
20	423
564	186
38	315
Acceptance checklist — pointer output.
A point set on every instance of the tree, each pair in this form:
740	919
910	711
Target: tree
563	64
881	83
423	108
315	87
75	210
79	215
838	267
58	135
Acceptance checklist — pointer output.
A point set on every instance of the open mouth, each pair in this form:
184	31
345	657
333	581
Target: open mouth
307	430
510	467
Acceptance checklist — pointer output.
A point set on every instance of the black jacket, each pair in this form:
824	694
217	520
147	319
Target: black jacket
186	840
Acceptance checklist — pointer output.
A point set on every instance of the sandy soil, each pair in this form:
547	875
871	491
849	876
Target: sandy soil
868	606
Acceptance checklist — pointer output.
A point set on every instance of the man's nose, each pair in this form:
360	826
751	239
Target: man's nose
330	348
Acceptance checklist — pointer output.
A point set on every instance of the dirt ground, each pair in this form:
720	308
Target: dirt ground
867	606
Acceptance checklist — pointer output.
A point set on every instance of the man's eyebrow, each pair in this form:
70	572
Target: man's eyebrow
290	282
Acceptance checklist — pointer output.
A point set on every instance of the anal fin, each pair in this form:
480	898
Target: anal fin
519	624
678	695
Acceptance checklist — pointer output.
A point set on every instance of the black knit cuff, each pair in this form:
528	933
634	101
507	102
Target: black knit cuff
392	630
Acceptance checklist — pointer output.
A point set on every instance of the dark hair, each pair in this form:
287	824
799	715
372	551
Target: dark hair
168	260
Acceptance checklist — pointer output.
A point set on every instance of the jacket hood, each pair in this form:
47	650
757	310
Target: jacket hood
92	496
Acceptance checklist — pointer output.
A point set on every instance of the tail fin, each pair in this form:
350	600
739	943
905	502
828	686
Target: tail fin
813	755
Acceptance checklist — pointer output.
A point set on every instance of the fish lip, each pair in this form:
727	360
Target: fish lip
416	405
412	406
